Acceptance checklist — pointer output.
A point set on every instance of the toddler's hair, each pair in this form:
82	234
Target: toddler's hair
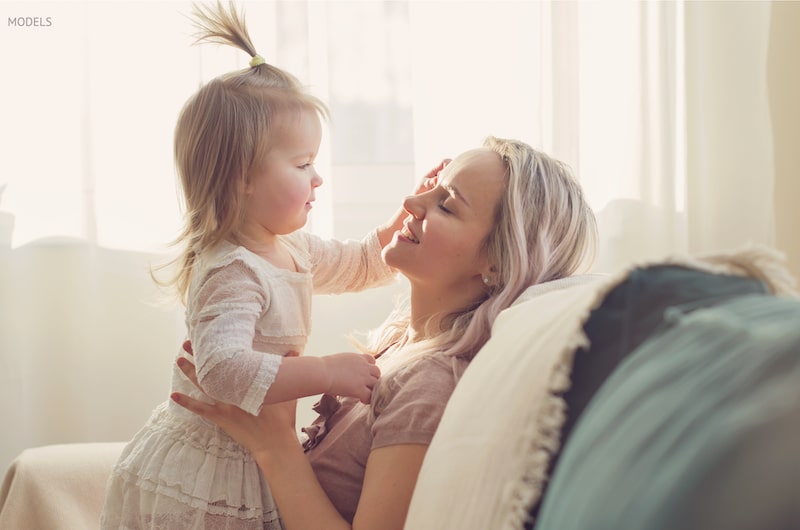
223	132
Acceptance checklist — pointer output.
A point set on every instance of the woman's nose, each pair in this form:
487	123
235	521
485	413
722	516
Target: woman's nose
414	205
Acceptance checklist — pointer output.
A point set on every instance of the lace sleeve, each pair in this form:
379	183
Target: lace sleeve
347	266
222	322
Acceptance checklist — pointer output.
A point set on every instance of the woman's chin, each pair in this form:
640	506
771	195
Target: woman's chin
390	256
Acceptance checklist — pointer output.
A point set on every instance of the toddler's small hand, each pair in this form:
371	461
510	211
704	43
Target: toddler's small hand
429	181
352	375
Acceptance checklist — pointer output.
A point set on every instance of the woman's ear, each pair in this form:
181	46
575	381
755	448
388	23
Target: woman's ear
489	276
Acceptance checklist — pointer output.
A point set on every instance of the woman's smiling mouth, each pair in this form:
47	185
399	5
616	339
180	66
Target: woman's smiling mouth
406	233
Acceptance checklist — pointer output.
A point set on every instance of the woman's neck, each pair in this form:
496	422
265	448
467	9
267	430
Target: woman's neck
431	311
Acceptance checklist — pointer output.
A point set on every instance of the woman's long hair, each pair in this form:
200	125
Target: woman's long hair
544	230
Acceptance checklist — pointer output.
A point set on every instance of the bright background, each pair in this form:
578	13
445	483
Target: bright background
681	121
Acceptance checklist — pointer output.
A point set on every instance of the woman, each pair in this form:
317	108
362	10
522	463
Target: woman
500	218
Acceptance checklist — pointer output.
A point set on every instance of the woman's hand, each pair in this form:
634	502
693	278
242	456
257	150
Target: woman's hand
264	435
302	501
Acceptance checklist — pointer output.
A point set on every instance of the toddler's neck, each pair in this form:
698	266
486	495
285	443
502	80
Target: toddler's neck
274	251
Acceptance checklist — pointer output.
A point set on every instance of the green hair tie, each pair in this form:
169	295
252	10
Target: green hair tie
256	61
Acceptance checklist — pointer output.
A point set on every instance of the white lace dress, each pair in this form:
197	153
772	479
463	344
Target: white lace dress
181	472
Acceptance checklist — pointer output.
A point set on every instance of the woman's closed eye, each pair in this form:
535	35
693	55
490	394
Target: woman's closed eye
444	208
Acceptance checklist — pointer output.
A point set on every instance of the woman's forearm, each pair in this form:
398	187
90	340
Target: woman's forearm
302	503
272	440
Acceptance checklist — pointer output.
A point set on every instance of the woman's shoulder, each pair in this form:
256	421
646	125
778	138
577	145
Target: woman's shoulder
434	375
415	402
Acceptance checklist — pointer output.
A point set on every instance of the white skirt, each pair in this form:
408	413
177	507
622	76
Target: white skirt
182	473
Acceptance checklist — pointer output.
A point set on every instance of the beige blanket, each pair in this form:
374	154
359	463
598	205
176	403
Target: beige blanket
57	487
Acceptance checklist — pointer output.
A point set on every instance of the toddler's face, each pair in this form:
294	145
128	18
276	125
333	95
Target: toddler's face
281	190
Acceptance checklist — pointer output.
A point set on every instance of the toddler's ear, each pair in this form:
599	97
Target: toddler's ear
187	347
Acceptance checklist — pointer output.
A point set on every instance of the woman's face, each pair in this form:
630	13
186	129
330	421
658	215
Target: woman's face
441	246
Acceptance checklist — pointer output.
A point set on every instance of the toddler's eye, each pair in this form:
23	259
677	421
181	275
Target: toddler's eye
304	166
443	208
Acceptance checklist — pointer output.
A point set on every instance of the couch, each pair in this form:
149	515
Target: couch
664	396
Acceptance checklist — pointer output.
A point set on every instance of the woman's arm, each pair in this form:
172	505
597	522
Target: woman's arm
389	480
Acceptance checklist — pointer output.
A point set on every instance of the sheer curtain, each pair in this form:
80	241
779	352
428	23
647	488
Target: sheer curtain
631	94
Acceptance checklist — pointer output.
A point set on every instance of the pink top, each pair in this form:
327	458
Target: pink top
342	437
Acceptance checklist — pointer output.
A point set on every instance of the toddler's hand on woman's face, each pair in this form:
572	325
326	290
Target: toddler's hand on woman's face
429	181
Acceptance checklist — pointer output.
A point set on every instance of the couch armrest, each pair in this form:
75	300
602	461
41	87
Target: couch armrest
57	486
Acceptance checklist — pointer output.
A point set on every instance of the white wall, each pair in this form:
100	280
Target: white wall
783	77
743	82
98	311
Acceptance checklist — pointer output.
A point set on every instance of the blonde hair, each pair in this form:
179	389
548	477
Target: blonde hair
544	230
222	133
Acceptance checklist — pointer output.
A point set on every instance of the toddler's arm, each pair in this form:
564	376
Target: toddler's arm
348	266
341	374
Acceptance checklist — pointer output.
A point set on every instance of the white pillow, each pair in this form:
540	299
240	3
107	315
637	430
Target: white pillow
484	467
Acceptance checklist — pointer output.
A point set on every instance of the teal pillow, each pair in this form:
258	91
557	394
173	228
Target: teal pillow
699	428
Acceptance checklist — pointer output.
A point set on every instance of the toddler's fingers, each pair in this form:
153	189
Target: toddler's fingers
366	396
435	171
